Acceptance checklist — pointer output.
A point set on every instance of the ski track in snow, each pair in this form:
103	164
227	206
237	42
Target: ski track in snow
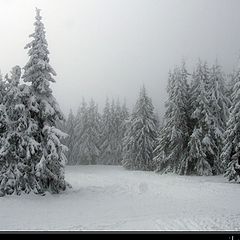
111	198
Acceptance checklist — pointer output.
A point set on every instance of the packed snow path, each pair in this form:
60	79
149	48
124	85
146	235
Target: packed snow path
111	198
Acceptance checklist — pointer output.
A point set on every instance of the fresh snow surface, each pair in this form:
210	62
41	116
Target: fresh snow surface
111	198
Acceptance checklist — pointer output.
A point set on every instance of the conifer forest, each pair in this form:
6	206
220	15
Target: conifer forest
163	155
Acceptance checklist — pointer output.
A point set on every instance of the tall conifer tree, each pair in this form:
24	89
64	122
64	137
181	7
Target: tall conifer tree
43	107
141	135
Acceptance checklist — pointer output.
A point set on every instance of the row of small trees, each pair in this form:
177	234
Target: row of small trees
105	138
31	153
96	138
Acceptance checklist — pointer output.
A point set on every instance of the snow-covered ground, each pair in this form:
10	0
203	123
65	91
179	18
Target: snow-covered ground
111	198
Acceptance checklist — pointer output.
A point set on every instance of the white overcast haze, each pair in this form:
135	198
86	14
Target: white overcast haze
110	48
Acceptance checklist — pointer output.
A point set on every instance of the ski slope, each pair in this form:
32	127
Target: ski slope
111	198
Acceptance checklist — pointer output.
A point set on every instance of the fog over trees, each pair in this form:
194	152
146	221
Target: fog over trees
120	115
198	135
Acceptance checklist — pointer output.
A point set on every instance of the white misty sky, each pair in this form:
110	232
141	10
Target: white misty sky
110	48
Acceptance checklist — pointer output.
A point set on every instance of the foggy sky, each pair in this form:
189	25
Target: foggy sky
110	48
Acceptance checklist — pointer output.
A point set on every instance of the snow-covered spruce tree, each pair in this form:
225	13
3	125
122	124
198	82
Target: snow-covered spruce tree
118	115
79	131
197	162
70	140
124	115
106	135
220	104
92	133
203	156
171	151
113	133
230	155
162	149
116	133
10	151
17	142
141	135
46	112
219	96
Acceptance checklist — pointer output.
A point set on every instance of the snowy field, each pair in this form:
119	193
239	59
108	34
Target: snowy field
111	198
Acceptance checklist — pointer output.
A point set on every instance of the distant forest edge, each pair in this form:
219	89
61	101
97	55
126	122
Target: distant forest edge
198	135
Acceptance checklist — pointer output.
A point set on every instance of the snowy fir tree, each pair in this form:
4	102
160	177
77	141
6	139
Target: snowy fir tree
204	151
219	96
92	134
69	141
220	104
197	160
141	135
106	135
231	151
124	115
118	116
44	110
17	142
11	151
171	151
79	130
115	142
